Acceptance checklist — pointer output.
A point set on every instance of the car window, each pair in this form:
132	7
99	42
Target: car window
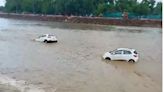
118	52
112	51
50	35
127	52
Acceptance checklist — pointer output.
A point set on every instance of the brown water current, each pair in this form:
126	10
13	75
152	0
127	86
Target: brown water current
75	63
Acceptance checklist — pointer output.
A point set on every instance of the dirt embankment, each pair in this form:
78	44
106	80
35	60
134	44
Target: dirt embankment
86	20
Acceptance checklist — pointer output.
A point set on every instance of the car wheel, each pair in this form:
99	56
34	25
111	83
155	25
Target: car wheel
131	61
45	41
108	58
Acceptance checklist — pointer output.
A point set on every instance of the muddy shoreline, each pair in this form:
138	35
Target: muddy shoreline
85	20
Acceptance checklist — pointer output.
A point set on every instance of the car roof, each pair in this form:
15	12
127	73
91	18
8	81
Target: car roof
130	49
49	34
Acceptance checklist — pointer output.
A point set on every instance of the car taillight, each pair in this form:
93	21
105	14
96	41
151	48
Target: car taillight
135	55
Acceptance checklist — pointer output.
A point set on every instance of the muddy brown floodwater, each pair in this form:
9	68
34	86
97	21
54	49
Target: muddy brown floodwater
74	64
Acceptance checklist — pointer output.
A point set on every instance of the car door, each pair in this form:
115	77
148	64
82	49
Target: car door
126	55
117	55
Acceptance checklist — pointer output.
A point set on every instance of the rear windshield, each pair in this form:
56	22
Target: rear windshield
135	52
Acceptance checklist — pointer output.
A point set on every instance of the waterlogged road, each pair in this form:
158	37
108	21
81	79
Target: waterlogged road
74	64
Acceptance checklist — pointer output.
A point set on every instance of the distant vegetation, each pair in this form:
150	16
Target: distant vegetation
83	7
1	8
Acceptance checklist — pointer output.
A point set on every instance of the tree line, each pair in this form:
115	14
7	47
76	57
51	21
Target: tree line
83	7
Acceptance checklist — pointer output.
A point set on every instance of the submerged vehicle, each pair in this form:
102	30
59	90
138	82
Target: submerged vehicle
47	38
126	54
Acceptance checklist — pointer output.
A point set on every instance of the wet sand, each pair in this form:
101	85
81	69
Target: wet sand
74	64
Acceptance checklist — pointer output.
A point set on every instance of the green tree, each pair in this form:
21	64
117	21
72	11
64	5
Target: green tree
101	9
158	9
82	7
143	8
1	8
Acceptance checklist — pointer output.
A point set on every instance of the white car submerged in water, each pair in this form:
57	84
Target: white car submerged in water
47	38
126	54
